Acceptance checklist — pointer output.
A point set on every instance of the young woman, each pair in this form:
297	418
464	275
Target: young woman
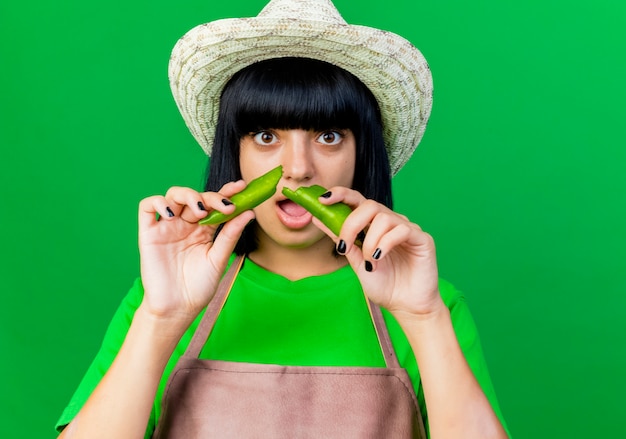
295	345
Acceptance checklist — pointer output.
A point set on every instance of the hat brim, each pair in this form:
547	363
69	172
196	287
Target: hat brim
391	67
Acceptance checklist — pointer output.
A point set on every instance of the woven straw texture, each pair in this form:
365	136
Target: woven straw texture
207	56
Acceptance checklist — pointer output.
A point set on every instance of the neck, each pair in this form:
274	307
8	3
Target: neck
297	263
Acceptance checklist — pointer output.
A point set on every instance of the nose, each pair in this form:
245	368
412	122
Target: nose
297	160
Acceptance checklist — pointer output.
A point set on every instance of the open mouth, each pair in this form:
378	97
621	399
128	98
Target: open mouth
293	215
291	208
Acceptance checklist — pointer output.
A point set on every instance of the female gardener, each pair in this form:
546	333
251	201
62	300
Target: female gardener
309	333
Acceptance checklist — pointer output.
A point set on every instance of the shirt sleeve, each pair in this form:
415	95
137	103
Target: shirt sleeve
469	341
111	344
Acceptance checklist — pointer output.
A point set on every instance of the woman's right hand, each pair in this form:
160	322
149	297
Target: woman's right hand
181	263
181	266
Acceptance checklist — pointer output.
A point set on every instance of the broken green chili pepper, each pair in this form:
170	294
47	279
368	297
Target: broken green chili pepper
256	192
333	215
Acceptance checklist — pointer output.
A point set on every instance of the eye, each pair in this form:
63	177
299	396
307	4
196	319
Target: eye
265	138
330	137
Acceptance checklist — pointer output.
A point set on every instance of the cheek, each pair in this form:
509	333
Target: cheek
344	170
266	213
349	164
253	163
349	170
245	162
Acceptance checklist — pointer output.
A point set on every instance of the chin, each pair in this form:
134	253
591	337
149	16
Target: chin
301	239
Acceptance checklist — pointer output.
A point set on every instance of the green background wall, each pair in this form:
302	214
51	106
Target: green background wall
520	178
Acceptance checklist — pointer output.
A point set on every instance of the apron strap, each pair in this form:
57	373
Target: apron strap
207	322
389	353
201	335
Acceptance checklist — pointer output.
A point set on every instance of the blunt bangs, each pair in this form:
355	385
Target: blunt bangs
299	93
294	93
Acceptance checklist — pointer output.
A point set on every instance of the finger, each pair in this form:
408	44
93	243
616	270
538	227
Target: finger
186	203
382	245
340	194
356	258
320	225
151	209
353	199
191	206
384	220
220	201
421	243
357	225
230	233
381	224
232	188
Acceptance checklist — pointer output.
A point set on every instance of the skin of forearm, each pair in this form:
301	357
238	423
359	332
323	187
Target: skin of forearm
120	405
457	406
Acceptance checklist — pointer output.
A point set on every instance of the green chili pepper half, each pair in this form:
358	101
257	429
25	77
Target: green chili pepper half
333	215
256	192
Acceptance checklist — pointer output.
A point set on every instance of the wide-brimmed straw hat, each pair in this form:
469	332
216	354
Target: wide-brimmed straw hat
207	56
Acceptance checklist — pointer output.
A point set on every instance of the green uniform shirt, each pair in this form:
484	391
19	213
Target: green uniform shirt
315	321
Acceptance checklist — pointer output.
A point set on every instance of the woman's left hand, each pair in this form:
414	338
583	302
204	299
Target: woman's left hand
397	263
397	268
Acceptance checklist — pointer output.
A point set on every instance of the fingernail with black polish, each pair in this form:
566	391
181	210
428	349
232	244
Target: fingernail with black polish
341	247
326	194
368	266
226	202
169	212
376	255
201	205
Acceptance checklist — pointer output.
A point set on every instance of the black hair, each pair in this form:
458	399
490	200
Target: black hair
299	93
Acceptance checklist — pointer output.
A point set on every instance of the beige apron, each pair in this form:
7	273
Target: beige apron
220	399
